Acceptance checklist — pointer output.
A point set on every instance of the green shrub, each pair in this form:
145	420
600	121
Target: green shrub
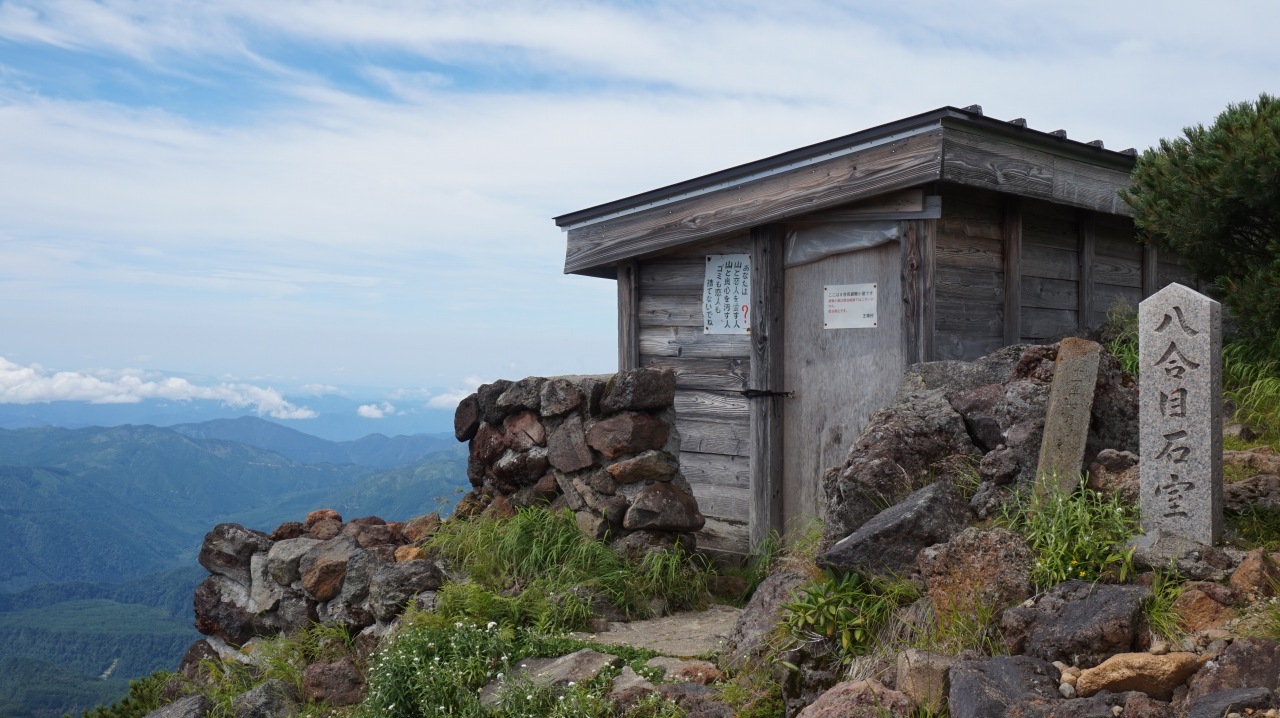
1158	608
557	573
1077	535
1120	335
1255	527
843	614
145	695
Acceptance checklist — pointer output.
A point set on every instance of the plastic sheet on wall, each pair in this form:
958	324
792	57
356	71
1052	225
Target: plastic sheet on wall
811	244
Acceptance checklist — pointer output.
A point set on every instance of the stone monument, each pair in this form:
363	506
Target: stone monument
1070	409
1180	414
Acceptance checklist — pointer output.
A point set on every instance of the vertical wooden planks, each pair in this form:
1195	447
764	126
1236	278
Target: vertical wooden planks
766	375
628	315
969	274
1150	270
911	291
1012	239
1087	249
928	311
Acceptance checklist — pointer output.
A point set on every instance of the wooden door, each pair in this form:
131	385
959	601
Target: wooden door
838	377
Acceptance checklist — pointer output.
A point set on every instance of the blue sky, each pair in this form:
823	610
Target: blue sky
251	197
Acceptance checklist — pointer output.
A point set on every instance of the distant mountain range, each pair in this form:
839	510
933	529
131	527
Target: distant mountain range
99	530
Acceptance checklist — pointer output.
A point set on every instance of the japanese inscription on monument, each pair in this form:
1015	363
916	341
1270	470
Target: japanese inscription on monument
1180	412
726	294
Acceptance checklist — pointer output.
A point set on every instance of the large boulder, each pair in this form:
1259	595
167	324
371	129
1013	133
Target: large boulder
227	549
627	433
890	542
663	507
394	585
859	699
282	559
643	389
337	683
977	569
567	448
324	567
748	640
1157	676
895	455
270	699
1077	622
1006	686
221	609
1246	662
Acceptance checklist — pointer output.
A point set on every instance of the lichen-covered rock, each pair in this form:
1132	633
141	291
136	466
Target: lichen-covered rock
487	396
663	507
747	641
227	549
892	458
640	389
337	683
889	543
560	396
977	569
1077	622
567	448
1006	686
650	465
1258	574
282	559
393	586
270	699
925	678
1246	662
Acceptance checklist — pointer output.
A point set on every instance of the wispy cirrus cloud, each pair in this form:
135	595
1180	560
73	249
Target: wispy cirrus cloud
34	384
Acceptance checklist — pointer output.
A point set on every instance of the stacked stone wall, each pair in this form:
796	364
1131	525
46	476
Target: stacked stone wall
604	447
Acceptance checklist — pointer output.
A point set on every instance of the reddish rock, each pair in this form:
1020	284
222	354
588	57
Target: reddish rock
859	699
663	507
336	683
415	530
288	530
651	465
321	515
220	610
488	444
499	508
325	529
977	568
466	418
1203	605
639	390
368	535
560	396
1115	472
1258	574
524	431
410	553
324	567
567	449
627	433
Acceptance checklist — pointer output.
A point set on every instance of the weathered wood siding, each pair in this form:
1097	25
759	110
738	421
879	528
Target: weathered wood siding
711	370
1050	272
1117	266
968	274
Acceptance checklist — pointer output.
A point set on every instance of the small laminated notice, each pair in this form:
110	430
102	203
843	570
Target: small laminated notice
726	294
849	306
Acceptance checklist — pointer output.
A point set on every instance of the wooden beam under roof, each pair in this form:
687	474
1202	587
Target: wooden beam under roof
876	170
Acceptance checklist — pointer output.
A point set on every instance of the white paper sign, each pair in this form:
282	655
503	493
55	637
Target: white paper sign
726	294
849	306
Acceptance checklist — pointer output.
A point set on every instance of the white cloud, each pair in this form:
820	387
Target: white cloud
319	389
34	384
449	399
375	411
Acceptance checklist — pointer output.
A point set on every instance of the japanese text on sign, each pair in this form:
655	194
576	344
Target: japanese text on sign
849	306
726	294
1173	409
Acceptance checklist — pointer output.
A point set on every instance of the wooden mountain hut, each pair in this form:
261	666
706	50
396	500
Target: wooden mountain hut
788	294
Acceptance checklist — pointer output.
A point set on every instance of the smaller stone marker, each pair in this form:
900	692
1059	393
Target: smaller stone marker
1180	415
1067	417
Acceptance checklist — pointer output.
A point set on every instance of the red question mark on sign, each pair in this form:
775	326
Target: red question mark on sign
745	308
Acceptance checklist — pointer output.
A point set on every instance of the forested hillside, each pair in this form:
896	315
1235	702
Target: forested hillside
101	527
